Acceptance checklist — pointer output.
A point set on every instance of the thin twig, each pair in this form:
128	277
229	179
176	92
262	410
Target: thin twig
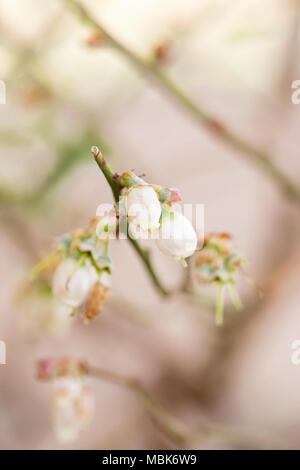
175	430
171	427
143	254
202	116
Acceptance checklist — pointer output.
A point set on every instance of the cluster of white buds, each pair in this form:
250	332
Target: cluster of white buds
73	400
149	210
81	268
218	262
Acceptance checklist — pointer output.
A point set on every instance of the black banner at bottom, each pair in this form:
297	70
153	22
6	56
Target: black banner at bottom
137	458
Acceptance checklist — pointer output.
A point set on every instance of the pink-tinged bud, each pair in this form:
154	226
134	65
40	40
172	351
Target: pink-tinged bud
48	369
45	369
71	284
177	236
168	195
175	196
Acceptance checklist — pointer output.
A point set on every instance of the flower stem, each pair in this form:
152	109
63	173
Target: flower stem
220	304
107	172
202	116
235	298
144	255
38	268
174	429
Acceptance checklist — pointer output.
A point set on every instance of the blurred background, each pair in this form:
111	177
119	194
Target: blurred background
67	91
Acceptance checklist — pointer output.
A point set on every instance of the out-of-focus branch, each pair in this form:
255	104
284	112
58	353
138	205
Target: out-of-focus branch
230	337
202	116
143	254
172	428
69	154
21	231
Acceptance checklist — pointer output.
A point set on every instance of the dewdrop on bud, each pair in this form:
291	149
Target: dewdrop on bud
71	284
177	236
143	208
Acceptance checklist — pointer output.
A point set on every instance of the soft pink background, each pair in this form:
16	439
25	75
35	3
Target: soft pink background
238	58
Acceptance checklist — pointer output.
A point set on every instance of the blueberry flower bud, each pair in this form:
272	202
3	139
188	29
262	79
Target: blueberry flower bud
71	284
72	397
72	407
143	208
177	236
218	262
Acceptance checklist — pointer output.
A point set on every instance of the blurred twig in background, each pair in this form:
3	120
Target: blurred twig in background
71	151
214	125
175	430
68	155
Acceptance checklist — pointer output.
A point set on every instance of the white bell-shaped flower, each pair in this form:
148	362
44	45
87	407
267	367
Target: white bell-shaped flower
143	208
71	284
73	407
177	236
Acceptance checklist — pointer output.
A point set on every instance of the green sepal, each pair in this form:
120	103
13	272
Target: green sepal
65	241
98	253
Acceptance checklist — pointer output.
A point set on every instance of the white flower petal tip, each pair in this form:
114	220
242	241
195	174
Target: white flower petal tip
177	236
